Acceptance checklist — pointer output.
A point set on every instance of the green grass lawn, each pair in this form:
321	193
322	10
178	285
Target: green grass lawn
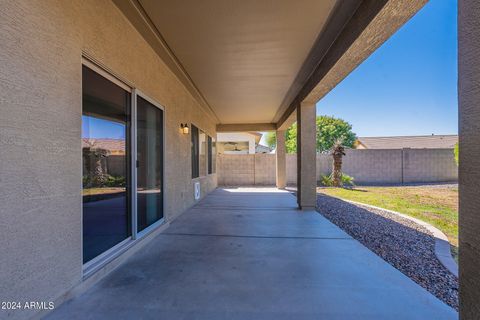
435	205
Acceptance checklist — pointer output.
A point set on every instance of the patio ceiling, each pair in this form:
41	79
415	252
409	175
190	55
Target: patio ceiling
249	63
243	56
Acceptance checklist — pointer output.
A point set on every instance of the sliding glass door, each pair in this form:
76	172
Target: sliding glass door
123	161
149	191
106	170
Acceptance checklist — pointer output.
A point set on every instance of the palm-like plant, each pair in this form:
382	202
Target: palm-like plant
338	151
95	159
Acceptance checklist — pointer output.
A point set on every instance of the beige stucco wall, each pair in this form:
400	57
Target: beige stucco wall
40	128
367	166
469	120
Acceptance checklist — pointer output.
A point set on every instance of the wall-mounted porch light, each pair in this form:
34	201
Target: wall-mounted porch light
184	128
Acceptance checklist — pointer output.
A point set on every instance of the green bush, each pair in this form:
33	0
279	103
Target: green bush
347	180
327	181
113	181
103	181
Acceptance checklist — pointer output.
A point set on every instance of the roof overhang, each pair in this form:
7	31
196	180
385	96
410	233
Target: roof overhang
250	63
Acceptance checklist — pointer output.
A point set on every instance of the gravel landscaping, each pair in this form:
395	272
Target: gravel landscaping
404	244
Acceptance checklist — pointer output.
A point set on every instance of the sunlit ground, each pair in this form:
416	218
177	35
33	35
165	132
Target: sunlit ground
437	205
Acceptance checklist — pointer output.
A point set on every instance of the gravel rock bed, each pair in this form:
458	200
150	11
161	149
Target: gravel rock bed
402	243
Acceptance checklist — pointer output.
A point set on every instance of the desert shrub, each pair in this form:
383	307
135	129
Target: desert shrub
102	181
113	181
327	181
347	180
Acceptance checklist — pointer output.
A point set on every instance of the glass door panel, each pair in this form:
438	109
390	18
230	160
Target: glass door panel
149	164
105	140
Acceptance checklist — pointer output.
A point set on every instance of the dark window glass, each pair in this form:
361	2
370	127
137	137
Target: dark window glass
149	164
210	158
202	137
105	145
214	156
195	153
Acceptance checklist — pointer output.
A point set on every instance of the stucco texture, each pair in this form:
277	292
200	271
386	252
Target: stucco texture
40	128
469	127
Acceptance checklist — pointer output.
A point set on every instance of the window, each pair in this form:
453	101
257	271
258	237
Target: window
195	153
202	137
202	156
149	191
214	155
106	171
212	150
210	164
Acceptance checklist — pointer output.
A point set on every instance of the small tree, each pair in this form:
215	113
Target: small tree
291	139
95	158
329	129
338	151
332	131
271	139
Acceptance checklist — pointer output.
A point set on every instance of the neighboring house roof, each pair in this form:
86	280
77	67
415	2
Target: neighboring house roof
258	136
414	142
262	149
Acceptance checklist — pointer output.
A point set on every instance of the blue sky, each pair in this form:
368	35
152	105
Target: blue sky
409	85
99	128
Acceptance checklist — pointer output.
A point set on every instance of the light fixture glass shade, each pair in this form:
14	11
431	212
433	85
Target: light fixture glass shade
184	128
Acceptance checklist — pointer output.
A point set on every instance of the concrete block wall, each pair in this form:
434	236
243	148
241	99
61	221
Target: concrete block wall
389	166
266	173
371	166
236	169
429	165
115	165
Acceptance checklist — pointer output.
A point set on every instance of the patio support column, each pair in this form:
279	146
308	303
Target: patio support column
306	156
469	162
280	154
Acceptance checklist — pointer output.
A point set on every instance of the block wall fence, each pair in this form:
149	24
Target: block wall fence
370	166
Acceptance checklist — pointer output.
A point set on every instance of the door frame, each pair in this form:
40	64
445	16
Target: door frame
91	267
135	234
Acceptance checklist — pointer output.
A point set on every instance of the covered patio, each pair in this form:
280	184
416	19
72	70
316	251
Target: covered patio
249	253
205	253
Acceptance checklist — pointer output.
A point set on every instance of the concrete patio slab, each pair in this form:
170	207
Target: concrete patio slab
236	198
247	263
256	223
